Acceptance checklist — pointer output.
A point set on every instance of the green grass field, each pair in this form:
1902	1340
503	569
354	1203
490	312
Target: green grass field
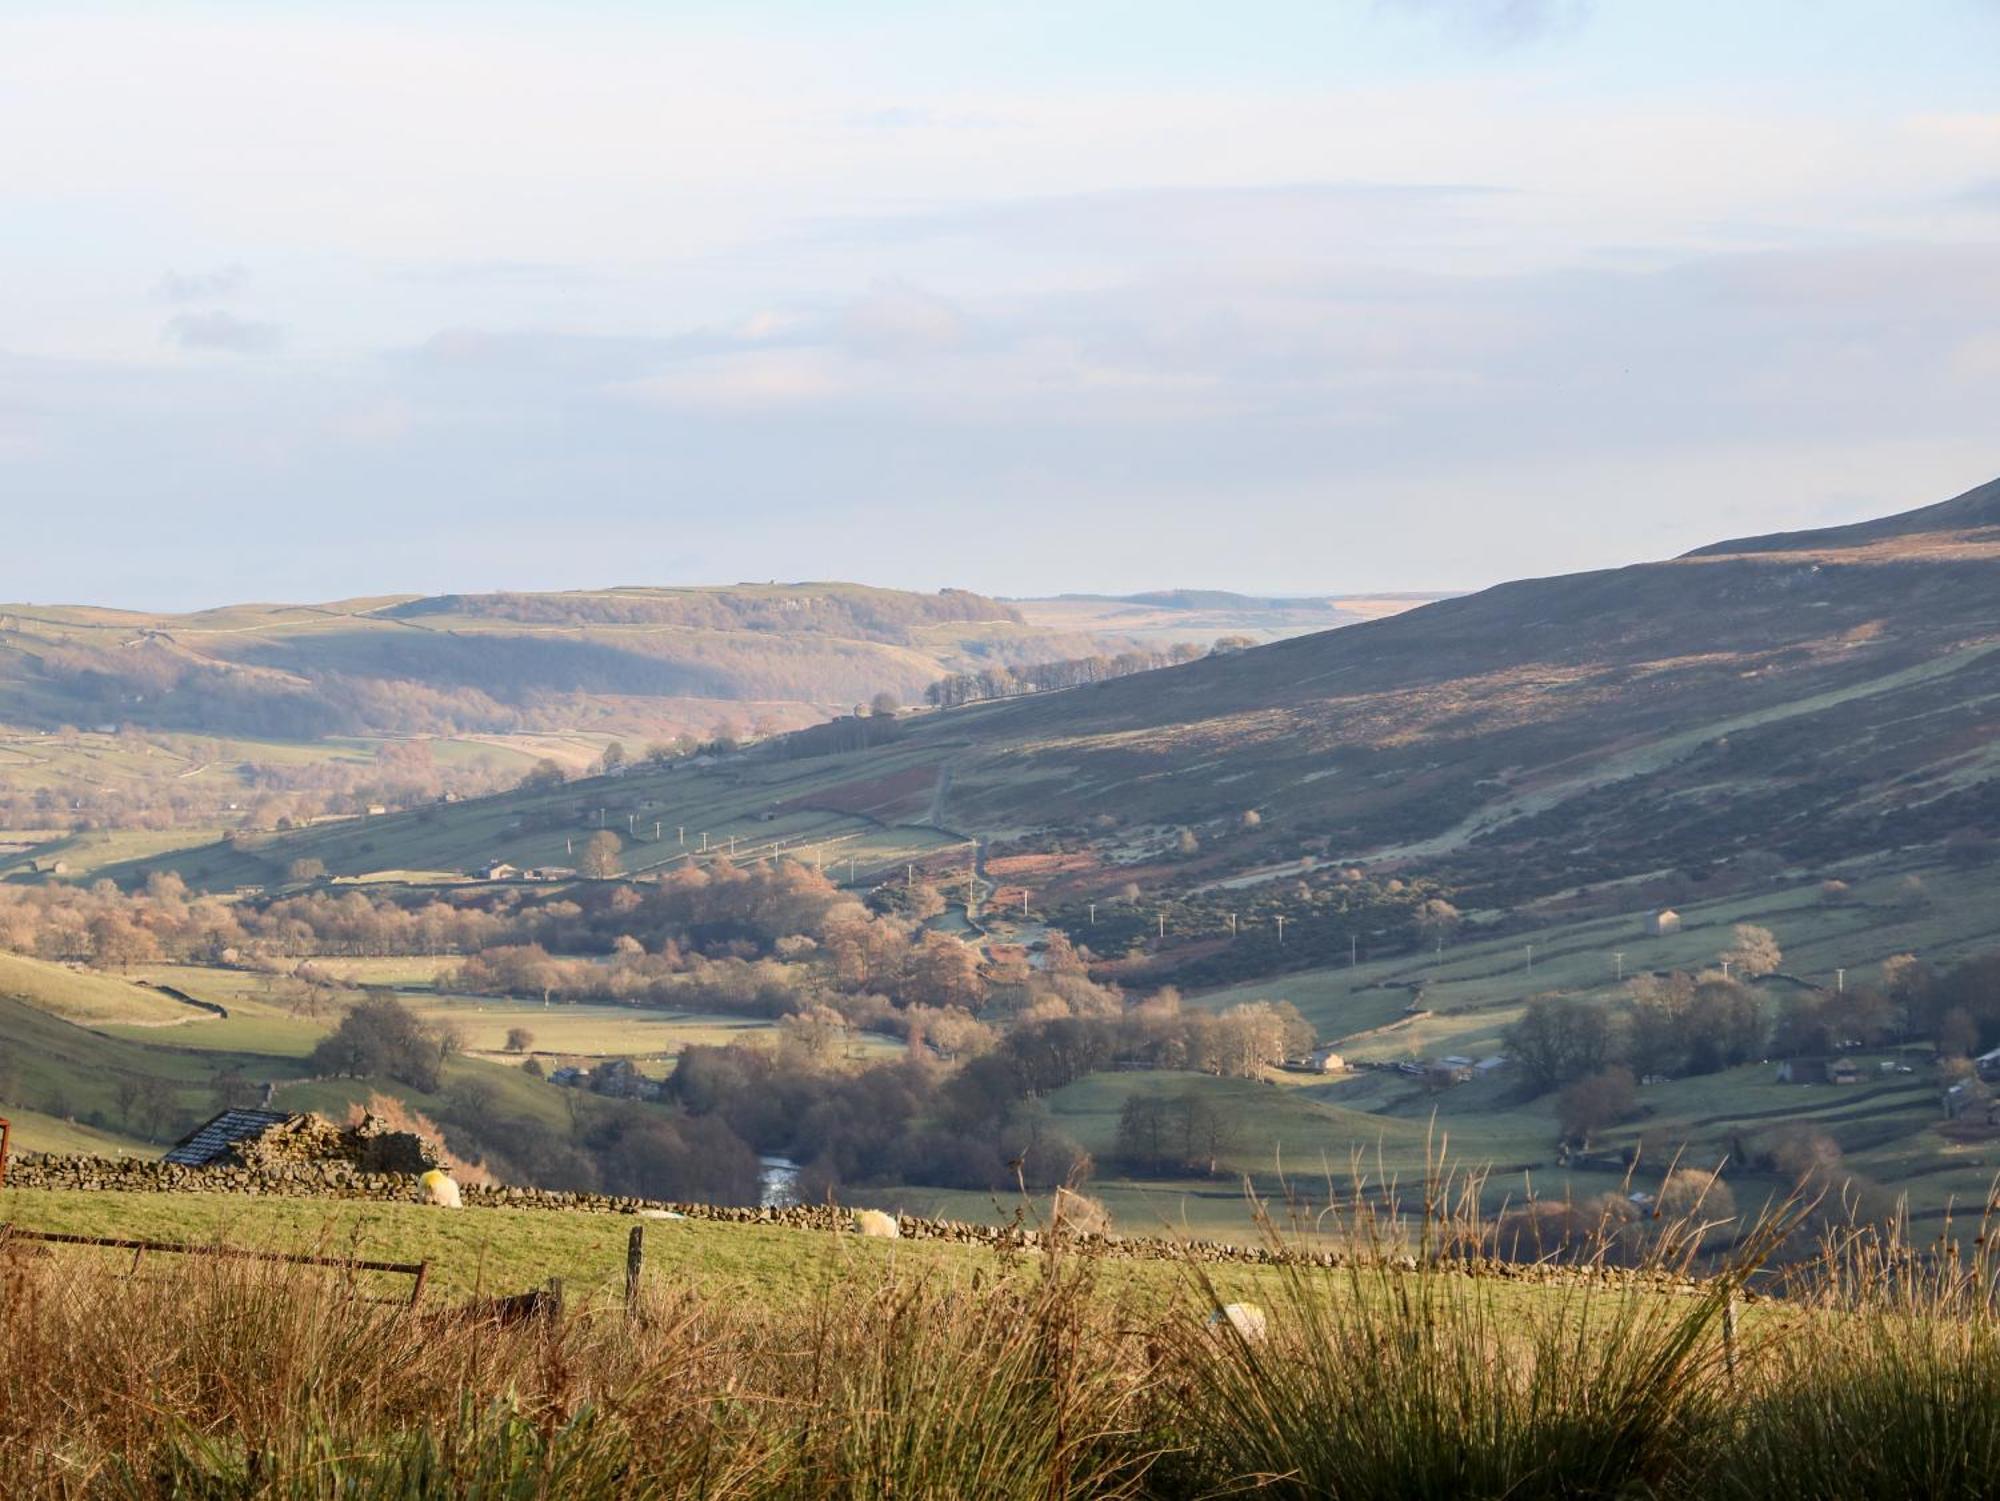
491	1250
661	814
88	997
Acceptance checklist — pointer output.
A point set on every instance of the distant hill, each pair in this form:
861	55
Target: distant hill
1818	697
1163	616
631	660
1812	693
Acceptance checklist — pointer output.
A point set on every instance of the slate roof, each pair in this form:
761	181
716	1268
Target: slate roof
207	1143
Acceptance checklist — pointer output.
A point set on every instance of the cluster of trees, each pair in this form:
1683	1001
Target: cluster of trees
728	909
980	1124
1670	1025
1680	1024
113	929
1043	677
380	1038
1168	1133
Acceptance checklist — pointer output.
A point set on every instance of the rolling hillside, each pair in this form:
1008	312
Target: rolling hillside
1816	697
631	661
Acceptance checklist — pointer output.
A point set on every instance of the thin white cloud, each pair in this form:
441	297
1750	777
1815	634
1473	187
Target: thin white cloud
223	332
202	286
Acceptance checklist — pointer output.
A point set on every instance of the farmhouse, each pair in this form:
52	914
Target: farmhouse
1988	1065
1664	923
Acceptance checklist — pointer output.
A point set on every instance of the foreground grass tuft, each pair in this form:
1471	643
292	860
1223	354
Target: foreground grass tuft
1404	1371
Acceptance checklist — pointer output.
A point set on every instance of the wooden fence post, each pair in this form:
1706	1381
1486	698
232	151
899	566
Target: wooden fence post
635	1258
1729	1339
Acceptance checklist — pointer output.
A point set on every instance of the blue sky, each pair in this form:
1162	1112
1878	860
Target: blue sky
303	301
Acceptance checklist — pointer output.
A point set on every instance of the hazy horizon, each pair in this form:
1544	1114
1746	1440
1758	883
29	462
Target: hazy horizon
312	301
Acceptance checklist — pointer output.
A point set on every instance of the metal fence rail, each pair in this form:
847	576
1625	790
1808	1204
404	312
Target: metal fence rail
418	1271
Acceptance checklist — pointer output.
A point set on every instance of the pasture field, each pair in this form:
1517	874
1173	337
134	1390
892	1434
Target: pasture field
497	1250
86	996
397	971
593	1031
803	807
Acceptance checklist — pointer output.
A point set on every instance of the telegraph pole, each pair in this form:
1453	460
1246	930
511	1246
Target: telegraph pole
1531	958
1163	926
1093	914
1840	982
1281	927
1619	956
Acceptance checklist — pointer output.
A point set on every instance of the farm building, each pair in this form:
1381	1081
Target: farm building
1325	1061
215	1141
1664	923
263	1138
1819	1071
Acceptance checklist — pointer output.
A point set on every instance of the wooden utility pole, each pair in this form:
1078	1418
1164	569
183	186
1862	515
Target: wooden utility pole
1619	956
1281	927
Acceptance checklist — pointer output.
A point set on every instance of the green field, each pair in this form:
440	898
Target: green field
89	997
493	1250
762	806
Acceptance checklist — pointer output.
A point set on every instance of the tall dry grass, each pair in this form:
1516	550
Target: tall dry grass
1871	1369
252	1380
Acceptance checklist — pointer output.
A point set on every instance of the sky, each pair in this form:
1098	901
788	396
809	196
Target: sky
307	301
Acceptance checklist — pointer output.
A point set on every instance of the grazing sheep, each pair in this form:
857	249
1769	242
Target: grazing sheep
875	1223
1247	1319
438	1189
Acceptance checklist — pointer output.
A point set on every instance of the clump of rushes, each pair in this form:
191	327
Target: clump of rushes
1407	1370
1879	1372
1389	1355
250	1380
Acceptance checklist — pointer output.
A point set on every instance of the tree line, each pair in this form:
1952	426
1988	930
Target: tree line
1000	681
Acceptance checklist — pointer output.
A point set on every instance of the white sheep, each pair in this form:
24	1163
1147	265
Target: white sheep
439	1189
873	1222
1247	1319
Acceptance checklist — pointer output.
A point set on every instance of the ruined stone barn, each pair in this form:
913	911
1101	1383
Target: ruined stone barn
273	1138
214	1142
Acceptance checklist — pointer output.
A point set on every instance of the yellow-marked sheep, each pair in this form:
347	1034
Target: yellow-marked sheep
439	1189
873	1222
